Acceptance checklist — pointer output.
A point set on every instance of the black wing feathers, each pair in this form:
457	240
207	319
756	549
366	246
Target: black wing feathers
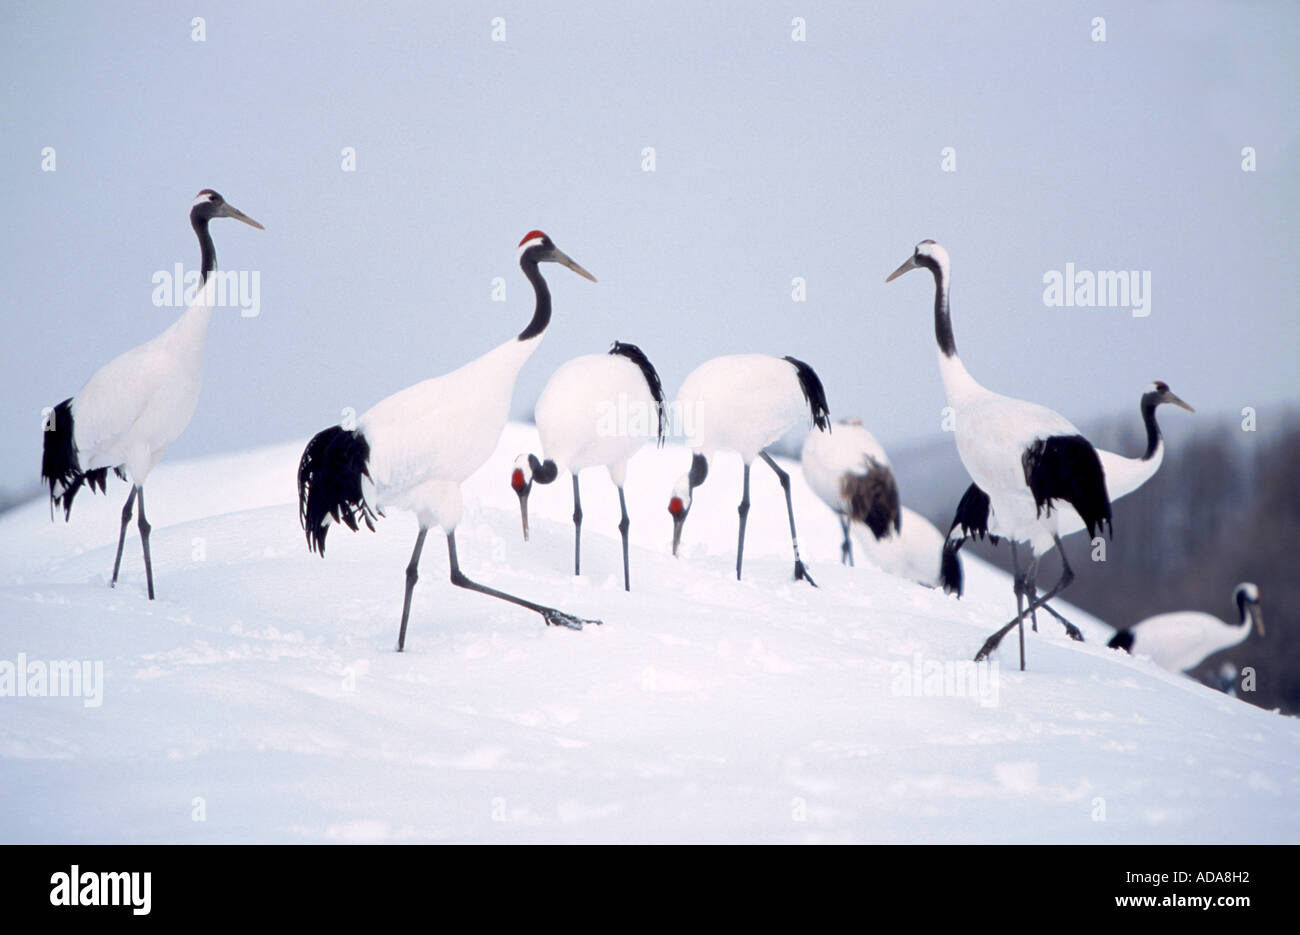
1066	467
329	484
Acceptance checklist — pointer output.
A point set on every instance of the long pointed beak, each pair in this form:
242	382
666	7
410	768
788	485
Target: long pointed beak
559	256
1258	614
523	510
231	211
1178	402
678	521
910	263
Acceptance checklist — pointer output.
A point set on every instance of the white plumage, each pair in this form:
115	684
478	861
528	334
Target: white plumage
743	403
131	410
849	471
412	450
1024	456
596	410
1182	640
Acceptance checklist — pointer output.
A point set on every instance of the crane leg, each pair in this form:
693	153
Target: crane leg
846	550
623	525
1067	576
144	541
553	617
577	526
1071	630
800	572
1018	583
743	510
412	576
121	536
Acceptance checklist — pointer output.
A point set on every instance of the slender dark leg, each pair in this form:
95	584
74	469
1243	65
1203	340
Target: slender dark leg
144	541
577	525
1067	576
623	525
553	617
1071	630
412	576
846	550
799	570
121	536
1019	584
743	510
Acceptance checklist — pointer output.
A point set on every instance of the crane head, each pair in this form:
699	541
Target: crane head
928	254
1158	393
679	504
521	481
209	204
1247	597
536	248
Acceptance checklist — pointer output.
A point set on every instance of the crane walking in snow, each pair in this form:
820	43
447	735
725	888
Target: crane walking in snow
848	469
1123	476
744	403
1025	457
1182	640
598	409
136	405
413	450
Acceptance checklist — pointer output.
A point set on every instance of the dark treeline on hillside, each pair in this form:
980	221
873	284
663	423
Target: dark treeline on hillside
1224	508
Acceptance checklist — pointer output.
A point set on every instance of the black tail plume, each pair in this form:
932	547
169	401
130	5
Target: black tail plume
637	356
973	514
329	484
61	468
814	393
873	499
1123	639
951	577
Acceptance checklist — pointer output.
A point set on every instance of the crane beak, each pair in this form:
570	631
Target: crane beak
1258	615
229	211
559	256
679	520
909	264
523	510
1178	402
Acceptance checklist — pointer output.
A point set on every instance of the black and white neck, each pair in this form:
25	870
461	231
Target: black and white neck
528	261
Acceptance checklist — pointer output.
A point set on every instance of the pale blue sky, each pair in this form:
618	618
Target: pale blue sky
775	159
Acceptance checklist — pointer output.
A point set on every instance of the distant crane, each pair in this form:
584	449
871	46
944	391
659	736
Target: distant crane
744	403
136	405
1182	640
1123	476
850	472
1026	457
598	409
413	450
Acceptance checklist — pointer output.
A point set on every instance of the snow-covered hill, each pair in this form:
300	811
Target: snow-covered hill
260	693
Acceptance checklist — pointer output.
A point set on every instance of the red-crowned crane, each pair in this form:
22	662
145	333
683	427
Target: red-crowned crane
1180	641
744	403
413	450
1026	457
136	405
1123	476
598	409
848	469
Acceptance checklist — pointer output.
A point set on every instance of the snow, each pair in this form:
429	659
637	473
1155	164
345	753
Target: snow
261	692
